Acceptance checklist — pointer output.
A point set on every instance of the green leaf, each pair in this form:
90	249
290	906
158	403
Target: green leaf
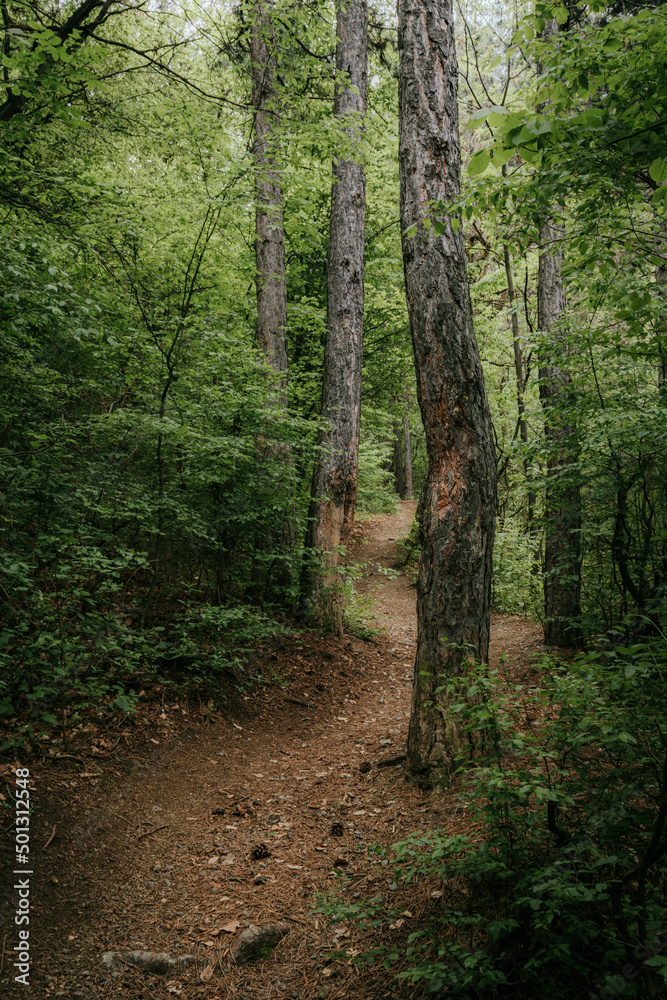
409	233
658	170
479	162
479	116
561	15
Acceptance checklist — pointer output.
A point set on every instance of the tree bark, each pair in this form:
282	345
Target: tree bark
458	501
562	549
334	487
407	447
269	233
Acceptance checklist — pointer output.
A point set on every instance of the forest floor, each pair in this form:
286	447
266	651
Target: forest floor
143	837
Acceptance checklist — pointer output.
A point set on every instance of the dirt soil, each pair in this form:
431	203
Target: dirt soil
144	839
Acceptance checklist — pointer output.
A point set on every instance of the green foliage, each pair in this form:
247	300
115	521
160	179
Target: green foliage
374	492
560	891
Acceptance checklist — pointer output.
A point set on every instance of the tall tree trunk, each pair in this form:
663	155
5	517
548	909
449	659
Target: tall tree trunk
399	477
562	548
407	447
518	372
458	501
335	475
269	232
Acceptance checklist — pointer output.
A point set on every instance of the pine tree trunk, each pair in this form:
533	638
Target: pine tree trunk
269	232
407	446
458	501
335	475
397	464
562	548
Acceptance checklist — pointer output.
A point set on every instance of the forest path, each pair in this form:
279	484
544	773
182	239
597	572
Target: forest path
162	858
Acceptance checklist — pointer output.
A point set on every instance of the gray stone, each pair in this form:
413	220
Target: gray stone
251	942
157	962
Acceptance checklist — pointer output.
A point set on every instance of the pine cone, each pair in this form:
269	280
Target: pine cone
259	852
337	830
365	767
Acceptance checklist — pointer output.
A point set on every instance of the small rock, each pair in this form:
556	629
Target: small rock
157	962
393	887
251	942
378	900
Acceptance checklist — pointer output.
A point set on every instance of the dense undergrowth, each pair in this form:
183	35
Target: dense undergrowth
560	890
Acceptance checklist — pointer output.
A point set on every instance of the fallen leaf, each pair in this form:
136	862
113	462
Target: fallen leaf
406	913
230	927
206	974
214	860
228	859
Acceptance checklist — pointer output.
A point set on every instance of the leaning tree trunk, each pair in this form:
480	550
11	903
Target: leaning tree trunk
562	546
458	502
335	475
269	232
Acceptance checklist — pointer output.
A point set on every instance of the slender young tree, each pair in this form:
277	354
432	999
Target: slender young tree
407	445
562	501
397	459
269	233
334	487
458	502
562	545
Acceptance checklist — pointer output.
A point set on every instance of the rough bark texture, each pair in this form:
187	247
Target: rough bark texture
458	503
269	233
407	443
562	546
335	475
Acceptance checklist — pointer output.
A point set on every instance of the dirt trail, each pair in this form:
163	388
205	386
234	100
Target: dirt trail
155	852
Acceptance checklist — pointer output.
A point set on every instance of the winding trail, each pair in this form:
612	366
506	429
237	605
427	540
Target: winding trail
154	843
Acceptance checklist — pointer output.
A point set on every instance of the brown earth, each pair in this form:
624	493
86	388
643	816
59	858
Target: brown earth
143	839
